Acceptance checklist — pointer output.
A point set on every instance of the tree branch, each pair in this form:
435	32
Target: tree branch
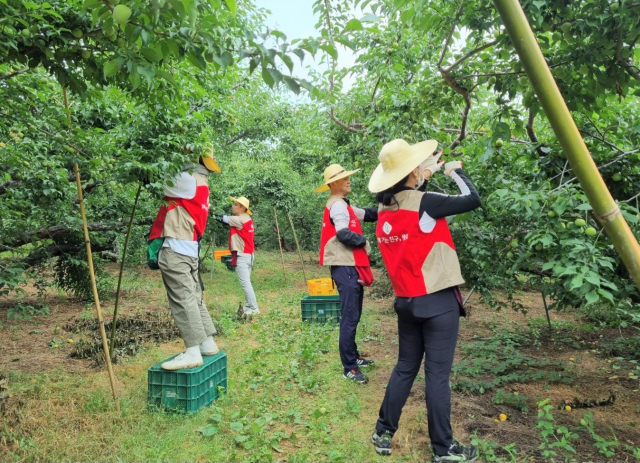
470	54
448	40
349	128
238	137
631	199
531	133
13	74
58	232
512	73
626	153
623	62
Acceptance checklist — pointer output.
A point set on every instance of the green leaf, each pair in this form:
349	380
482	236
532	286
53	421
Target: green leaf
299	53
151	55
591	297
209	430
231	4
330	49
111	68
370	18
292	84
407	14
253	64
287	61
354	25
267	77
168	77
197	60
236	426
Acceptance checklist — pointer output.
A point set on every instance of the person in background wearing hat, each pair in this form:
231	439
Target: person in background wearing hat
241	245
346	251
420	257
181	222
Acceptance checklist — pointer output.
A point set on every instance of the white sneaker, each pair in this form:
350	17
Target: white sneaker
209	347
255	311
183	361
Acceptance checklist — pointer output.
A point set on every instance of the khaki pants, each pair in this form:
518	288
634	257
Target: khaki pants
180	277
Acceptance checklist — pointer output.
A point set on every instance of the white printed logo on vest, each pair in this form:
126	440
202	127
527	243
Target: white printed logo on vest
386	228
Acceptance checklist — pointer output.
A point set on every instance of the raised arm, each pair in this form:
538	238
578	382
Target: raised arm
437	205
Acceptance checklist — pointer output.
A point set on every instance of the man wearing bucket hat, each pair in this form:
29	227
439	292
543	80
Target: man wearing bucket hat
181	222
418	252
241	245
346	251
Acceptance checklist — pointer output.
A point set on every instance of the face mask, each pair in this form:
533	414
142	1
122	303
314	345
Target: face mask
420	181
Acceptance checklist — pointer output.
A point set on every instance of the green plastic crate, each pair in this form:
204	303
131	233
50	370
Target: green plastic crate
227	261
187	390
321	309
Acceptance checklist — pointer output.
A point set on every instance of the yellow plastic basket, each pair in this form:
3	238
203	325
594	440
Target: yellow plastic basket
218	254
322	287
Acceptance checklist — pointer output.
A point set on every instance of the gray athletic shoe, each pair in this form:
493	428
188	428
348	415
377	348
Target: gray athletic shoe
458	453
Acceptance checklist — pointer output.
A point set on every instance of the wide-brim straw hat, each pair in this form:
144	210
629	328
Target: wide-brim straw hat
397	159
208	160
243	201
334	173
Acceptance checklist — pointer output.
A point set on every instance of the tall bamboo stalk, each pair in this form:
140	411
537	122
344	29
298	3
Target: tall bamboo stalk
295	237
213	251
94	287
604	206
284	272
124	257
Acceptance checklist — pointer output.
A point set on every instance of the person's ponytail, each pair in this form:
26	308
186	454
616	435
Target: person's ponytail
388	196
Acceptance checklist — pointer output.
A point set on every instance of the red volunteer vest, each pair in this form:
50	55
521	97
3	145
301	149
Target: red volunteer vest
246	234
405	247
197	207
329	231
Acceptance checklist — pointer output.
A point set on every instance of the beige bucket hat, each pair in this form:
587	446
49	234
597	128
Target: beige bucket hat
333	173
242	200
397	159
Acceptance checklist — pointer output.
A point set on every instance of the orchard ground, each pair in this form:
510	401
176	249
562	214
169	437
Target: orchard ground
287	400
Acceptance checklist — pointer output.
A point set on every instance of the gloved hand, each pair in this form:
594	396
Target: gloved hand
432	164
219	218
451	166
367	248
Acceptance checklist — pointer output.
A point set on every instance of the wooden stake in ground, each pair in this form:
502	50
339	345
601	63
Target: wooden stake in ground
295	237
124	256
284	272
94	287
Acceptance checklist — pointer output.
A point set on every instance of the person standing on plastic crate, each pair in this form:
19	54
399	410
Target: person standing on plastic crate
344	248
419	254
180	223
241	232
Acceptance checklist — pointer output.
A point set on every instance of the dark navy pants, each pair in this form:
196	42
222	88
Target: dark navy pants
431	332
351	297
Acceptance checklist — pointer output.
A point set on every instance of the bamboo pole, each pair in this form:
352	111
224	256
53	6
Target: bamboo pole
284	272
295	237
604	206
213	251
94	287
124	256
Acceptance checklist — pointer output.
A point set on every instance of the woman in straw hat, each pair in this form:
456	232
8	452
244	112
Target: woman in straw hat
344	248
418	252
241	245
179	226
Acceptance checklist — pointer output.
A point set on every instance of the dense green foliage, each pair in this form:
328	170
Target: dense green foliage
192	74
